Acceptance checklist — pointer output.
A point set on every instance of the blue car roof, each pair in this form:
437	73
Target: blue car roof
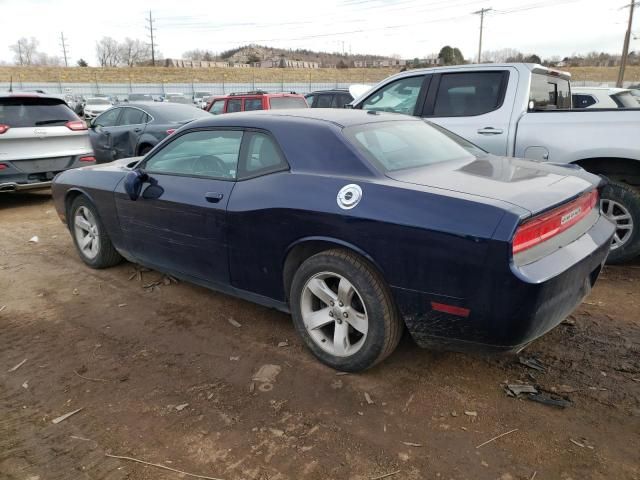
336	116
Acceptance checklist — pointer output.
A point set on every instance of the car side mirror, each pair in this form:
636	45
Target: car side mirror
133	183
349	106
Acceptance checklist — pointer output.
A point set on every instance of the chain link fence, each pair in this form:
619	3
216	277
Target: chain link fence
121	90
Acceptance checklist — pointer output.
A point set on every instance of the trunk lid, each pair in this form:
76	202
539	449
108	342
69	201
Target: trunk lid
530	185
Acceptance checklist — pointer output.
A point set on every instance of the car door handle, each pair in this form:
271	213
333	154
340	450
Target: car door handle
490	131
137	130
213	197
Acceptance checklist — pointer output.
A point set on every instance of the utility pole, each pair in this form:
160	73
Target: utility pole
64	48
481	12
625	47
153	50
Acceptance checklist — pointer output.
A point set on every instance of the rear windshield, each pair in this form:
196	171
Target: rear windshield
625	100
393	146
33	112
279	103
549	93
178	113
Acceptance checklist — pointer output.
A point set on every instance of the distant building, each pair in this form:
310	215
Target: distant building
384	63
188	63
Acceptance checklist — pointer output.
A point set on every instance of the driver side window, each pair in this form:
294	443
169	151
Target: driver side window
398	97
205	153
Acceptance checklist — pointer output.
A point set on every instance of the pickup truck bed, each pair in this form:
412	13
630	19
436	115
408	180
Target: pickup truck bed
524	110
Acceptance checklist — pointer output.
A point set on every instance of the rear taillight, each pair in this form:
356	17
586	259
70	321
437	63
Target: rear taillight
76	125
171	131
88	159
3	166
3	128
539	229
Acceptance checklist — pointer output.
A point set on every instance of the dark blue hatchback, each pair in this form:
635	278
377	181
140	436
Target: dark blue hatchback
358	223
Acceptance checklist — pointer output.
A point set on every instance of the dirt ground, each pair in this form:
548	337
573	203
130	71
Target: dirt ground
162	375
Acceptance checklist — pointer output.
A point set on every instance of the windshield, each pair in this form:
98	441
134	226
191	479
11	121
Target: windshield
32	112
279	103
398	145
625	100
98	101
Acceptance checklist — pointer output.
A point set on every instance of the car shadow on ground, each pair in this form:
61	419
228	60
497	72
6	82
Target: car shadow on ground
20	199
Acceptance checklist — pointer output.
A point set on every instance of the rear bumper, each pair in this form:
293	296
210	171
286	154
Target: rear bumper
32	174
512	308
17	187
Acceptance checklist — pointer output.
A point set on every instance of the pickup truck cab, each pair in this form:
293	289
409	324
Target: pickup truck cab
524	110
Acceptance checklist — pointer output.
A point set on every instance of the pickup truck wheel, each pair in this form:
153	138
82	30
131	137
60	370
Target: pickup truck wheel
620	203
90	237
344	311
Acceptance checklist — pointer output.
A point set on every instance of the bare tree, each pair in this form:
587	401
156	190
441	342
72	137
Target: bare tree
24	50
501	56
198	54
108	52
44	60
134	52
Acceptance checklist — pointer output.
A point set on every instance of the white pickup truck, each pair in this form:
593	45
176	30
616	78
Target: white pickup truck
524	110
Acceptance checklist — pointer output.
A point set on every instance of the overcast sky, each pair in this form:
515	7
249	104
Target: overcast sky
410	28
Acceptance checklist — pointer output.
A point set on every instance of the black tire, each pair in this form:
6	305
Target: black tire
384	324
107	256
144	150
629	198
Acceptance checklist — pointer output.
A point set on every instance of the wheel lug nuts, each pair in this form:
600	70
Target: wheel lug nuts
339	322
333	303
341	304
331	314
345	315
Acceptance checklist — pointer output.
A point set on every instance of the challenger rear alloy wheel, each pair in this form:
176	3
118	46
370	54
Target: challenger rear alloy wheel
333	314
344	311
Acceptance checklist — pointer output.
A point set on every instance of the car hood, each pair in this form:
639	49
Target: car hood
124	164
534	186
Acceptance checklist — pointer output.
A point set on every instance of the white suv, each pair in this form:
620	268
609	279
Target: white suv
39	137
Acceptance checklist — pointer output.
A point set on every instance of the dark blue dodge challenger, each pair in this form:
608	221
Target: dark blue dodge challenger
358	223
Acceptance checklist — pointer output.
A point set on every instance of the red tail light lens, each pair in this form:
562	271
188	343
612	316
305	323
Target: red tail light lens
171	131
3	128
76	125
539	229
88	159
3	166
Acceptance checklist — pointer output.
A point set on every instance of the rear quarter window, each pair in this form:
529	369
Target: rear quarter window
279	103
392	146
20	112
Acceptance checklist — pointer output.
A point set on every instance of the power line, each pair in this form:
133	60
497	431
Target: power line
481	12
63	44
625	46
153	48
